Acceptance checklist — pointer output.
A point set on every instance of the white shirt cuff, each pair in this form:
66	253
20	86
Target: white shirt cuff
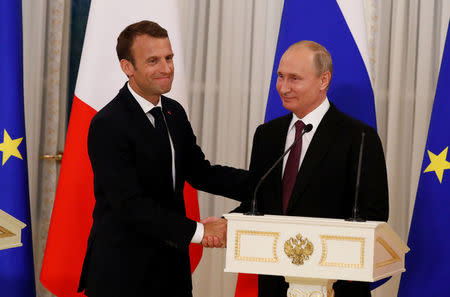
198	235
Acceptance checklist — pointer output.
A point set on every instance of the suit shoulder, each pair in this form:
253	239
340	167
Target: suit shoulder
169	102
111	112
172	106
276	124
351	123
354	128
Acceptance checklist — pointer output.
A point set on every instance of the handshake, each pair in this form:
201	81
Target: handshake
215	232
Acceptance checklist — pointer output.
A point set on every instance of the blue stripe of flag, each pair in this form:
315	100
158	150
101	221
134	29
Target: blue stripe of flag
322	21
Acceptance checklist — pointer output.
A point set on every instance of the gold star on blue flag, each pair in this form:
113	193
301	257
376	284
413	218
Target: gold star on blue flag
10	147
438	164
427	263
16	264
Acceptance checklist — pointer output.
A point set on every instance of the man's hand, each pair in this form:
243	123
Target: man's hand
215	232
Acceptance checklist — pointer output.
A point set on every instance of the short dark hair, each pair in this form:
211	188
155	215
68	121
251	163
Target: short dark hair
129	34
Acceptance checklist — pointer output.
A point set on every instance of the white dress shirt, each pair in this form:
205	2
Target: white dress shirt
146	107
314	118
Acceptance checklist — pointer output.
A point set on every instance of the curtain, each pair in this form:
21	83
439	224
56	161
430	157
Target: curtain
230	47
46	32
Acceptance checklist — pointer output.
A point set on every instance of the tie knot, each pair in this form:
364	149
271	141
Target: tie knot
156	112
299	125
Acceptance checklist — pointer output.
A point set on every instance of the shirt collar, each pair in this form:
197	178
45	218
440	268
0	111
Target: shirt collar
314	117
143	103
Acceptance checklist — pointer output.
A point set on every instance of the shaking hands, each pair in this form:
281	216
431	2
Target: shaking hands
215	232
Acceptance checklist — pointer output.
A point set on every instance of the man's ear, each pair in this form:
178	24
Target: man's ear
325	79
127	67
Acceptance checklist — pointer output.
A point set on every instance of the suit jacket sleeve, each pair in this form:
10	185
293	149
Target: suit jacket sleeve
216	179
255	172
116	187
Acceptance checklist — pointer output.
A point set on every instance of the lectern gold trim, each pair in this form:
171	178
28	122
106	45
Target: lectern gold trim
336	249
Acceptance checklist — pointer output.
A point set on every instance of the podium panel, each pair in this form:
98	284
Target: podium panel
313	248
10	231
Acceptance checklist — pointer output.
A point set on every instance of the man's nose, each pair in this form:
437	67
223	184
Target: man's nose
166	66
284	87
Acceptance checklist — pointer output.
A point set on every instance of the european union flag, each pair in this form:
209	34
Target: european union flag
350	89
428	262
16	264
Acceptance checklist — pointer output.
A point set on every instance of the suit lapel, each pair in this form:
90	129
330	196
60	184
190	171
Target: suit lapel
143	128
138	116
170	114
325	135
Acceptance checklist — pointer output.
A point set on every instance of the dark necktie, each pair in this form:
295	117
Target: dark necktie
162	131
291	169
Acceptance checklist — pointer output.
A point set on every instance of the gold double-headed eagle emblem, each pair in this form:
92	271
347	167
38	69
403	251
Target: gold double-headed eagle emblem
298	249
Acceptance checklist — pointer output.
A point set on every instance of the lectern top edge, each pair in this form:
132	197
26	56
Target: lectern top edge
304	220
11	220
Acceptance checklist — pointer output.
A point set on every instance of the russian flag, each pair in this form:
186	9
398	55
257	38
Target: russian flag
340	27
99	79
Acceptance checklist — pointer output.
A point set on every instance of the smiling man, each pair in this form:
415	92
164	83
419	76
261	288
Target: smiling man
318	176
142	151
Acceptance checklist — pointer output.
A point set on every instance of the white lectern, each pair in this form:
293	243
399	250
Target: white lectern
312	253
10	231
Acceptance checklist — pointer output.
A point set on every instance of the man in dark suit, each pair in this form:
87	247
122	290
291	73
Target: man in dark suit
317	178
143	150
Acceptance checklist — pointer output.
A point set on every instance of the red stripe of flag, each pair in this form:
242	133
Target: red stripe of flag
247	285
193	213
72	210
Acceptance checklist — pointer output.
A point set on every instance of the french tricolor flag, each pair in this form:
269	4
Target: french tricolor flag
99	79
338	25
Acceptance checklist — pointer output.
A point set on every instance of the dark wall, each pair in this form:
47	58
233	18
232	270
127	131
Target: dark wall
78	21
